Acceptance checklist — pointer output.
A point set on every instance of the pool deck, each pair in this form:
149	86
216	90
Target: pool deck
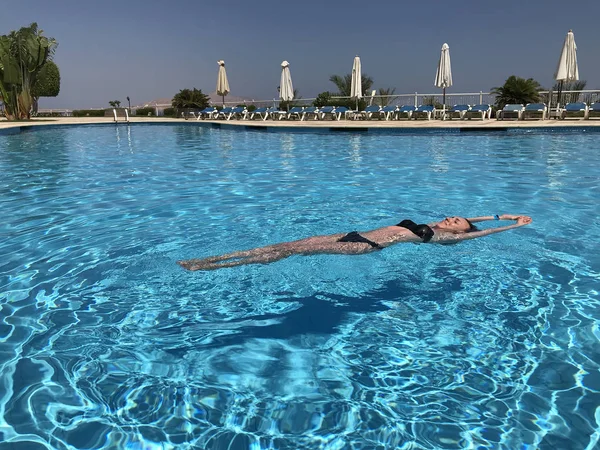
344	124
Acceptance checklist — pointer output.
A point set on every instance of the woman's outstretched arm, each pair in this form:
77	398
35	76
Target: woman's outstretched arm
520	222
451	238
496	217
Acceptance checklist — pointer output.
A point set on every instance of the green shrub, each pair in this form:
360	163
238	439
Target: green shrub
145	112
325	99
88	113
170	112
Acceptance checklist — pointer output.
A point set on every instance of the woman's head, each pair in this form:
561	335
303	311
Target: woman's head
456	225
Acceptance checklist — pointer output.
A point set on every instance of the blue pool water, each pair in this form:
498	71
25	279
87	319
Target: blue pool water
106	343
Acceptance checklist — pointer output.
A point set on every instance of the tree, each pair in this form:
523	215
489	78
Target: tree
323	99
570	86
23	54
517	90
47	83
190	98
385	95
115	103
344	83
432	101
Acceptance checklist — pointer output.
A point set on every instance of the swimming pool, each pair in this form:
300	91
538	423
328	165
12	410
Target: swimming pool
106	343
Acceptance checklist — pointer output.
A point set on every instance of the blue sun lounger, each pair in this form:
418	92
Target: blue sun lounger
389	112
406	110
277	114
594	109
481	111
370	112
310	111
326	111
207	113
426	111
458	110
512	109
295	113
239	112
575	109
225	113
262	113
534	109
340	111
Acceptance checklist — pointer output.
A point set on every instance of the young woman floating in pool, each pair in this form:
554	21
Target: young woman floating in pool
449	231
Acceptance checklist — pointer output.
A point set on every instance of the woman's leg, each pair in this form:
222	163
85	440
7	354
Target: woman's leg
261	257
271	253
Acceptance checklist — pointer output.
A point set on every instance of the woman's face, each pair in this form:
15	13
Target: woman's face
455	224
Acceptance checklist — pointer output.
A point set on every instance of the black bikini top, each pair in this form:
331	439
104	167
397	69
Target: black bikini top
423	231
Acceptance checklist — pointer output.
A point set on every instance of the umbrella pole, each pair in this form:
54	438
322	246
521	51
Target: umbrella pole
560	88
444	102
223	101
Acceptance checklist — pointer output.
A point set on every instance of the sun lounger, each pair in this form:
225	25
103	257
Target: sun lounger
458	110
295	113
277	114
534	109
340	111
575	109
326	111
426	111
389	112
239	112
512	109
406	110
370	112
310	111
187	114
207	113
262	113
593	109
224	113
481	111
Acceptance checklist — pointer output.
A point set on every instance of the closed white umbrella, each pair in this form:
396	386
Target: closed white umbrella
567	69
443	76
222	83
356	85
286	88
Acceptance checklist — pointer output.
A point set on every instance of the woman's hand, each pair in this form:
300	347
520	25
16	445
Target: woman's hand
523	220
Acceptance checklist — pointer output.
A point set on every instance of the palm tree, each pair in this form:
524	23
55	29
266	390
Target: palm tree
344	83
385	95
517	90
570	86
115	103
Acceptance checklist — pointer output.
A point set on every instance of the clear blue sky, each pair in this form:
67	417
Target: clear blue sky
150	49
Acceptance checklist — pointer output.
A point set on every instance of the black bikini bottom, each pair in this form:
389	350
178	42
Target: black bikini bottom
354	236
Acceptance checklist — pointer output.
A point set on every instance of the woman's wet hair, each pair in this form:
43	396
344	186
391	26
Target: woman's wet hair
471	226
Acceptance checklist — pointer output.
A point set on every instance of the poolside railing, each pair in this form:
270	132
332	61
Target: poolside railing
436	98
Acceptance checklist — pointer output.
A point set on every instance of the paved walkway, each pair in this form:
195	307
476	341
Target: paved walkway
493	123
